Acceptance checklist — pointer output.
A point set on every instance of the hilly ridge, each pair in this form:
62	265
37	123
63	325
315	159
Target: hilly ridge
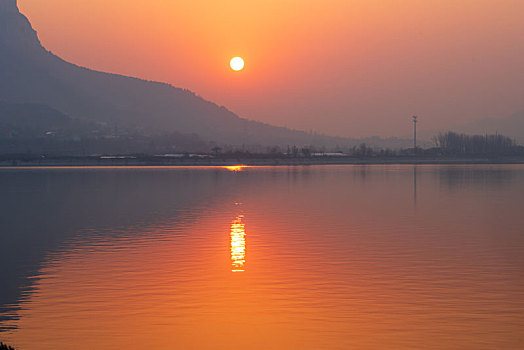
31	74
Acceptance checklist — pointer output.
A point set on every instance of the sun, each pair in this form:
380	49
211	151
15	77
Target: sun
237	64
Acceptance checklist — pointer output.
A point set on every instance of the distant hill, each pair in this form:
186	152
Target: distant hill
31	74
37	129
33	119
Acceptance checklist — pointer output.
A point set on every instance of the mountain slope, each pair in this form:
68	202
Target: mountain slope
31	74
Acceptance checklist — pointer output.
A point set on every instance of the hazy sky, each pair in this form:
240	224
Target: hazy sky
343	67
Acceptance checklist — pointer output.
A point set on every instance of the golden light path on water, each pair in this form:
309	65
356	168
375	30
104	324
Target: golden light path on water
238	245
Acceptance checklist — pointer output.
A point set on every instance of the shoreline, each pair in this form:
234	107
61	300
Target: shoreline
232	161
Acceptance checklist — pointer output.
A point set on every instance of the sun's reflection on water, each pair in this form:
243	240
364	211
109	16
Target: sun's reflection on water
238	245
235	168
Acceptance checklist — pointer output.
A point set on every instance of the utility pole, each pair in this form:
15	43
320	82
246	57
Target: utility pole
415	134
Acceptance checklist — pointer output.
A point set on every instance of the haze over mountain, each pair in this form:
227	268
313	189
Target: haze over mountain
31	74
344	68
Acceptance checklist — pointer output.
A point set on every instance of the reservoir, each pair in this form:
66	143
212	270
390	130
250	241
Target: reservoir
289	257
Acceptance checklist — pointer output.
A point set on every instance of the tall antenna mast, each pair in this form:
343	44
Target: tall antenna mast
415	134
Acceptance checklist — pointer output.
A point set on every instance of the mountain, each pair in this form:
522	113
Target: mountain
40	118
31	74
35	129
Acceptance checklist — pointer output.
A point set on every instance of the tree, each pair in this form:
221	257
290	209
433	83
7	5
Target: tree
306	152
455	144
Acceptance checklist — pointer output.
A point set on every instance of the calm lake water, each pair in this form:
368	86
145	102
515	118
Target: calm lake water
321	257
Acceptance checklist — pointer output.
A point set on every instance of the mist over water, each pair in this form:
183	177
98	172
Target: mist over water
319	257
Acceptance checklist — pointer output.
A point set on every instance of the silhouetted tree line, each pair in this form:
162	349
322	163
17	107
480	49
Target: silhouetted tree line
452	143
294	151
5	347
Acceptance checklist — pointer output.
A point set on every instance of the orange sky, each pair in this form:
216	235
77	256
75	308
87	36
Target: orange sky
343	67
